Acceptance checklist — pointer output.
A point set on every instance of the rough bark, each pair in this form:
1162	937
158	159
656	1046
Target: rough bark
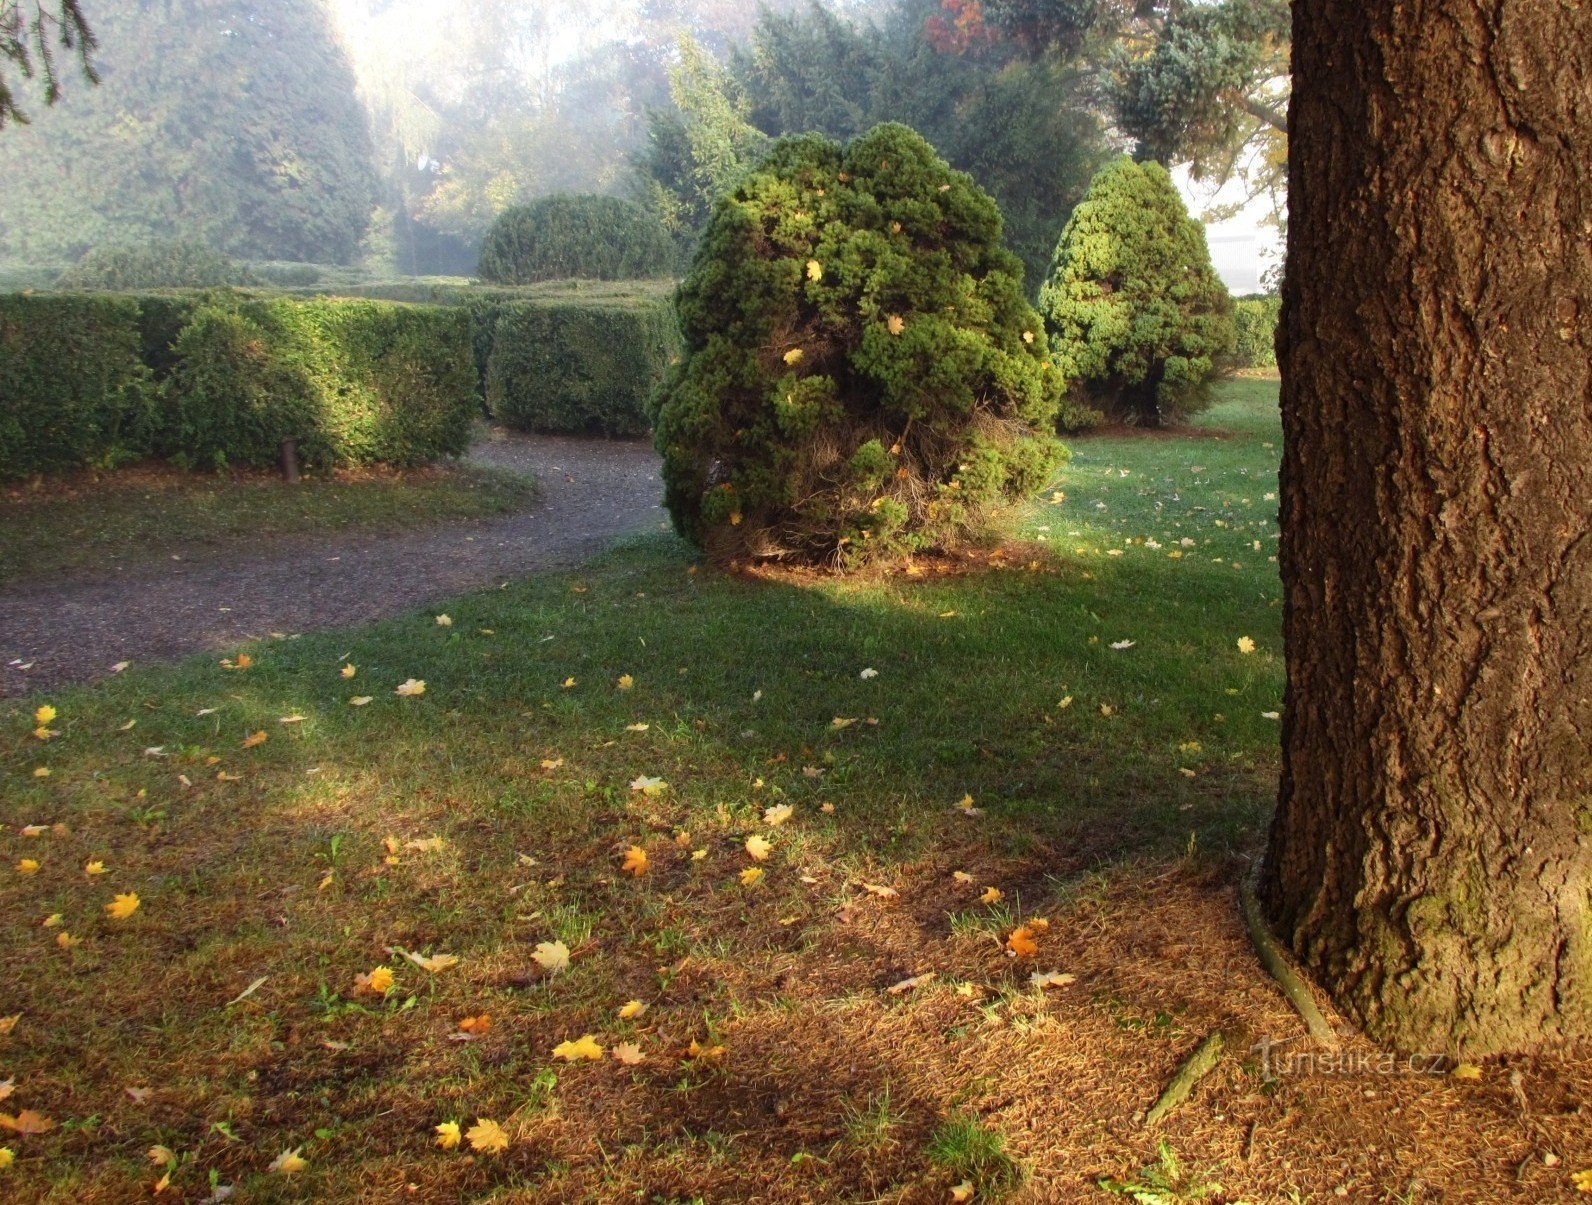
1431	858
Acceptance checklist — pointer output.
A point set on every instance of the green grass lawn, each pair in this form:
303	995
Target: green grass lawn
98	524
644	703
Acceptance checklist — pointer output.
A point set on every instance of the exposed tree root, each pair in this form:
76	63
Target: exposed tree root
1195	1068
1271	957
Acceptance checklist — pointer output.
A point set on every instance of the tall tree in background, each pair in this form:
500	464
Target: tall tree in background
33	33
1014	125
232	122
699	150
1202	84
1431	858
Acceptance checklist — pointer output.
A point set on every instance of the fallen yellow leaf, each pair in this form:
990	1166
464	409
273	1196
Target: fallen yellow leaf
487	1136
625	682
448	1135
123	905
27	866
348	671
551	956
433	963
289	1163
628	1053
633	1009
93	868
758	848
636	862
751	875
1022	943
584	1047
255	738
410	688
28	1121
379	981
44	715
992	895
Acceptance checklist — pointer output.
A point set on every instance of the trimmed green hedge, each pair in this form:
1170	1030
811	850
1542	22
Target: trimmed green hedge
221	378
355	382
1256	320
74	390
587	368
578	367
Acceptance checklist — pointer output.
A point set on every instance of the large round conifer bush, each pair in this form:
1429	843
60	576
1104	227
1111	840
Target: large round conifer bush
1140	322
861	375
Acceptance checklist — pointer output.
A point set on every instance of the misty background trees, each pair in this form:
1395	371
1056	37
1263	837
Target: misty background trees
391	134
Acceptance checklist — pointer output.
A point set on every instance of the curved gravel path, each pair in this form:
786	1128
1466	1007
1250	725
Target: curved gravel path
591	492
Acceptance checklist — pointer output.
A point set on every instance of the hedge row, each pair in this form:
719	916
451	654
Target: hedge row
210	379
1256	320
571	357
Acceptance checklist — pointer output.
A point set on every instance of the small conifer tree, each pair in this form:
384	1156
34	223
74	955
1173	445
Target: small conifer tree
1140	322
862	375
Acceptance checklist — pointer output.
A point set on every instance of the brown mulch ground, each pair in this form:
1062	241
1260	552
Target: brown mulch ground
591	491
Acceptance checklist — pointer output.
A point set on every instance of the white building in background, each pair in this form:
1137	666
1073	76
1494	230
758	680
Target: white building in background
1243	247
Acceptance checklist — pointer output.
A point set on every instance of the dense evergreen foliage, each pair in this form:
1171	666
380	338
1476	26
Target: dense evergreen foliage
74	391
229	122
559	238
212	379
1139	320
862	375
1255	324
579	367
158	265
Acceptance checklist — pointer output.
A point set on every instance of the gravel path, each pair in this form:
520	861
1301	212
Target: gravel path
591	492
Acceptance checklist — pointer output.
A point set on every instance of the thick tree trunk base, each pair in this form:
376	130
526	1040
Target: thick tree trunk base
1431	858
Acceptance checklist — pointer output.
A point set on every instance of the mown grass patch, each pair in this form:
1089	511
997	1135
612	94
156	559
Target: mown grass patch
846	1025
100	523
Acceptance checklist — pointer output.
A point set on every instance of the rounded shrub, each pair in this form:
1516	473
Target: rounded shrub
555	238
1255	319
1140	322
862	375
157	265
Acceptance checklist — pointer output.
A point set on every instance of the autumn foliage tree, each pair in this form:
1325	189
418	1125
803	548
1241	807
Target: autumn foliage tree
862	375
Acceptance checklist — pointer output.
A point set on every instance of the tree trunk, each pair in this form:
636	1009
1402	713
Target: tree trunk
1431	858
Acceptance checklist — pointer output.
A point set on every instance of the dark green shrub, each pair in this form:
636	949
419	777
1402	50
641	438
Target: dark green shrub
73	390
158	265
578	368
1140	323
600	238
862	374
1255	319
355	382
